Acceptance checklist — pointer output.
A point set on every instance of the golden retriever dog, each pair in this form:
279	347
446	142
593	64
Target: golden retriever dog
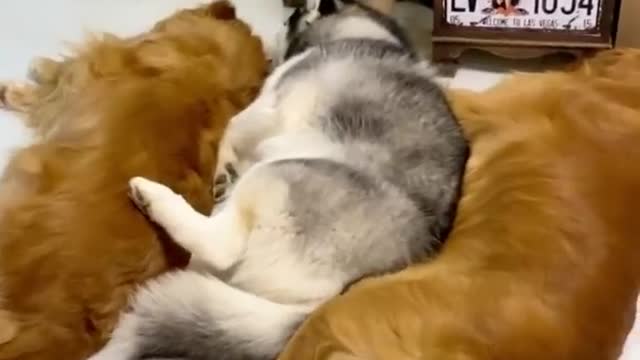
542	261
72	245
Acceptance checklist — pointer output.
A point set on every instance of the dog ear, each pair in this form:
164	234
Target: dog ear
327	7
222	10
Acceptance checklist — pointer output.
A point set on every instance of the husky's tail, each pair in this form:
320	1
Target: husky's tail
192	316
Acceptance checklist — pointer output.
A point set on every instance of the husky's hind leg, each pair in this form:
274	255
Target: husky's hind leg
189	315
219	240
244	131
259	121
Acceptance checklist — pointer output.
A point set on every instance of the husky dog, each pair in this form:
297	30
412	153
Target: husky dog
348	165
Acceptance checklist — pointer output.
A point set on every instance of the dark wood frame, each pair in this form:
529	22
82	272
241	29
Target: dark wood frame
293	3
450	41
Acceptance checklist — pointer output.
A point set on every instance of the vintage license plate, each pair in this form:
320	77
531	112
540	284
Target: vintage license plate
567	15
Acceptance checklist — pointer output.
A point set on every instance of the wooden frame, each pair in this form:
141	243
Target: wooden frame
450	41
294	3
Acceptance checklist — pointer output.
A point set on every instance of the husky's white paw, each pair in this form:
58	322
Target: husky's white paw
150	197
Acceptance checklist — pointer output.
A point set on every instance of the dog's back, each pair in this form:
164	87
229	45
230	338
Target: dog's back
540	263
72	247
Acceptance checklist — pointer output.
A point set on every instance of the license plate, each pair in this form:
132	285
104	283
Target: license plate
565	15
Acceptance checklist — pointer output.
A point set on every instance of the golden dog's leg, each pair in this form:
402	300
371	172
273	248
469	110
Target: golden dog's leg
8	327
21	96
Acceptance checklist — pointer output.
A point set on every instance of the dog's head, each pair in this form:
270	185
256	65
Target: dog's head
325	20
210	32
219	12
301	18
218	9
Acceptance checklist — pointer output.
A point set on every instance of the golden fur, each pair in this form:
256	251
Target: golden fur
542	261
72	246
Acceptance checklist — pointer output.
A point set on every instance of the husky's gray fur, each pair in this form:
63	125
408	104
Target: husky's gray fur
349	164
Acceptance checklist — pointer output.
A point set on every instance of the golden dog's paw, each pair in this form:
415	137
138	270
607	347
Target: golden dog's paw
43	70
17	96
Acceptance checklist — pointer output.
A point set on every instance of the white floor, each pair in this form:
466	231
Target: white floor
30	28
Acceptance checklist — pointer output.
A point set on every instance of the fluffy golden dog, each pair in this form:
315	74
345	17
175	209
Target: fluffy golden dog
72	246
542	261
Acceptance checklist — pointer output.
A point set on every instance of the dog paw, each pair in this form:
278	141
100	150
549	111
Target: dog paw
223	182
17	97
149	196
226	172
43	70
